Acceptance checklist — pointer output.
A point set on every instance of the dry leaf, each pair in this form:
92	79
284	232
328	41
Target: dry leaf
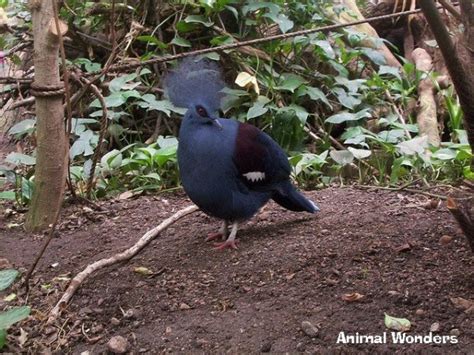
403	247
352	297
183	306
461	303
398	324
245	80
23	337
143	270
125	195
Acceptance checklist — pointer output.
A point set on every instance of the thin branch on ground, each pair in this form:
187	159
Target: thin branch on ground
125	255
413	191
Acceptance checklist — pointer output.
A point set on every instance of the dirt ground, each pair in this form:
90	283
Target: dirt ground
283	290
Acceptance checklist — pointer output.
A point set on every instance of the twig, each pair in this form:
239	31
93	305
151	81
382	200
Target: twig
20	103
451	9
103	129
125	255
41	252
413	191
397	110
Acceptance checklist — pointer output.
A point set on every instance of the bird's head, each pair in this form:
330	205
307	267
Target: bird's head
205	115
196	84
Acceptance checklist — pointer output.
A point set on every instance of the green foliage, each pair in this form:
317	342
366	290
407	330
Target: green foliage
328	100
13	315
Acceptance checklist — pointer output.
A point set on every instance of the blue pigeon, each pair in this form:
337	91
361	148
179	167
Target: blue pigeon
228	169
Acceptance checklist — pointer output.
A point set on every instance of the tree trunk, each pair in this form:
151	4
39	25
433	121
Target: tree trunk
52	148
459	61
427	117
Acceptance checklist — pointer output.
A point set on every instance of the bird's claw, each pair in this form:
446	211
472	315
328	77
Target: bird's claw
214	236
232	244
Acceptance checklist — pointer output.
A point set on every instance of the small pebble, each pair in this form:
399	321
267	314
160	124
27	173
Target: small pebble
300	347
118	345
419	312
114	321
266	347
456	332
435	327
309	329
445	239
5	264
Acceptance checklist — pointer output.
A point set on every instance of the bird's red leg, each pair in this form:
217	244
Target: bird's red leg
231	242
222	234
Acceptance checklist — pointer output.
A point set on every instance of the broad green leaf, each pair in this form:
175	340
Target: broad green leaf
374	55
445	154
360	153
468	173
391	136
22	127
84	144
351	85
7	277
282	21
153	41
198	19
164	142
185	27
150	102
119	82
348	100
413	146
313	93
178	41
341	157
256	110
398	324
326	48
8	195
300	112
341	117
291	82
13	315
115	99
112	160
3	338
348	116
19	158
385	69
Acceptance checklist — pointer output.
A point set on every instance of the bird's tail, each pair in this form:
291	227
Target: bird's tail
288	197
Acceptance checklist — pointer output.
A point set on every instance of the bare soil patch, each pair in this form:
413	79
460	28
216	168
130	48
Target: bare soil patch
289	268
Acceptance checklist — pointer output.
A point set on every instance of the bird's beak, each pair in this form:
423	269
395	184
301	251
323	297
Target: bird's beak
215	122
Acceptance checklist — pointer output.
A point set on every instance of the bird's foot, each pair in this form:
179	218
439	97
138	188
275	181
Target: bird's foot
232	244
214	236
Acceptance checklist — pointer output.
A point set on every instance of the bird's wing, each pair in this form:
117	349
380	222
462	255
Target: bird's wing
260	162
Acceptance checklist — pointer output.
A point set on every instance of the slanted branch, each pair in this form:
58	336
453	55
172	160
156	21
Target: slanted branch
463	214
125	255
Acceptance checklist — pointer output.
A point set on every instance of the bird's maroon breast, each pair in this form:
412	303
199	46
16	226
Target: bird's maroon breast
249	153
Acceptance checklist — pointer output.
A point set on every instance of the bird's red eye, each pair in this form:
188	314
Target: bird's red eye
201	111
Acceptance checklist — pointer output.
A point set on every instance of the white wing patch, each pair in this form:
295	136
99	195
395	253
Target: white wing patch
254	176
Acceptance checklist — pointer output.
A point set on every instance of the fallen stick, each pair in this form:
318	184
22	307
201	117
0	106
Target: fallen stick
125	255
